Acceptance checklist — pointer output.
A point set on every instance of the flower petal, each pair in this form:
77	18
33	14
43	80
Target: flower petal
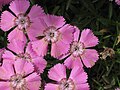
89	57
6	70
17	34
23	67
88	38
40	47
67	32
7	1
8	56
78	76
4	86
84	86
30	51
36	29
17	46
40	64
33	81
59	48
3	74
71	62
117	2
7	21
57	72
56	21
19	6
35	13
50	86
76	34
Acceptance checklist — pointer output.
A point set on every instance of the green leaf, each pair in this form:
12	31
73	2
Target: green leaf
55	10
68	4
110	10
100	4
32	2
89	6
106	22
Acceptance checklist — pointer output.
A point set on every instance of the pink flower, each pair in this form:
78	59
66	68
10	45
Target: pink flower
1	53
19	75
23	21
23	52
55	32
80	52
117	1
117	89
76	81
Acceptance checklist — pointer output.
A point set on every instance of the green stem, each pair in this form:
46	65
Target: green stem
110	10
5	39
97	82
117	28
106	65
110	68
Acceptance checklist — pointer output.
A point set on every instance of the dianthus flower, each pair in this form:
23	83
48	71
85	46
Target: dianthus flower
54	32
19	75
20	51
117	1
22	20
117	89
79	52
76	81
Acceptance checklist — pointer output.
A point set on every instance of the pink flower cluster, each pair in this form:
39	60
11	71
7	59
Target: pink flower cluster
33	35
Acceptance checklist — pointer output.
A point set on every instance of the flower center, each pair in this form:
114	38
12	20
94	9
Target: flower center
66	84
77	48
17	82
51	34
22	21
24	56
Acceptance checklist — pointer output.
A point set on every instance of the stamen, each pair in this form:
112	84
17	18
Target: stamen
66	84
22	21
77	49
51	34
17	82
24	56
